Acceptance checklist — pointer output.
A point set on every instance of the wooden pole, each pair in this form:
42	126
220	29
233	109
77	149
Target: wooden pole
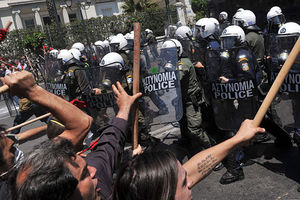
136	79
29	62
3	89
277	83
28	122
8	25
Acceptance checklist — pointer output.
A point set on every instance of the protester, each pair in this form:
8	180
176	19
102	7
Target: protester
159	176
22	65
52	170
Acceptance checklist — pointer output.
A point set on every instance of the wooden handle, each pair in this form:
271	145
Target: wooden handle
8	25
136	79
277	83
28	122
3	89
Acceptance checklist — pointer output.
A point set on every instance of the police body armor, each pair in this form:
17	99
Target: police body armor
160	85
286	106
235	100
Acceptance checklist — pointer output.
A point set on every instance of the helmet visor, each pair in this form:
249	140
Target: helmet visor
114	47
287	42
228	42
237	22
277	20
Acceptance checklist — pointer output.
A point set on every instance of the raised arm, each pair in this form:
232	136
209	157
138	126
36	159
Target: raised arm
200	165
76	122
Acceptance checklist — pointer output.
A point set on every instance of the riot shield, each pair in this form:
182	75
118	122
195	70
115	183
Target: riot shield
54	77
100	52
9	108
286	106
233	100
89	54
160	85
103	107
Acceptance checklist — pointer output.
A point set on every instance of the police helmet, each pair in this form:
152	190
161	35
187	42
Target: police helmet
118	43
148	31
112	59
289	28
275	16
232	36
53	53
183	33
99	43
171	44
76	53
245	19
78	46
223	16
206	27
65	56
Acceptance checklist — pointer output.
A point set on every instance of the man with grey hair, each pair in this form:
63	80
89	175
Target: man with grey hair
53	170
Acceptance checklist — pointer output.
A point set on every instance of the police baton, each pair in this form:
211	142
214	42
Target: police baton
136	80
277	83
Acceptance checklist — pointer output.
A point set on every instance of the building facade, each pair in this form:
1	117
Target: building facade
32	13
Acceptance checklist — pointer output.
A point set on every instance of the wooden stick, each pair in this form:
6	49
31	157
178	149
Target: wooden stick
28	122
277	83
5	62
29	62
3	89
8	25
136	79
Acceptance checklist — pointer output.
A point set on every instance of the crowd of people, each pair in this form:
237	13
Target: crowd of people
224	70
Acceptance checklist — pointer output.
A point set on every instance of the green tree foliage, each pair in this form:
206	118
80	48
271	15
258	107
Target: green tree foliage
135	6
32	40
200	8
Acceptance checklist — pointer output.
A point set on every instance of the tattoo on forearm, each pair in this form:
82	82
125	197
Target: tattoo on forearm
206	165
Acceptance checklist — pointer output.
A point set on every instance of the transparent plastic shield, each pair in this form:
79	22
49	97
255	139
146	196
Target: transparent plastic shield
102	106
160	84
233	100
8	106
285	107
100	53
89	55
54	77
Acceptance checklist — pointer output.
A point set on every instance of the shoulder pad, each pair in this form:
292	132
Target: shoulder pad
224	54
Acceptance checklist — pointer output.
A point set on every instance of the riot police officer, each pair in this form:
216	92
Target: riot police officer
184	35
73	76
288	34
238	65
191	123
223	19
246	19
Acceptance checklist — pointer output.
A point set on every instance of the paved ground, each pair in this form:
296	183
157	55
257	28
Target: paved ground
274	175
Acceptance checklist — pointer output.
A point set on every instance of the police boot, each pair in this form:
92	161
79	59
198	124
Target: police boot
234	169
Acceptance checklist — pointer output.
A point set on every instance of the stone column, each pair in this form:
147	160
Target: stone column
37	17
181	12
82	10
17	19
65	14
